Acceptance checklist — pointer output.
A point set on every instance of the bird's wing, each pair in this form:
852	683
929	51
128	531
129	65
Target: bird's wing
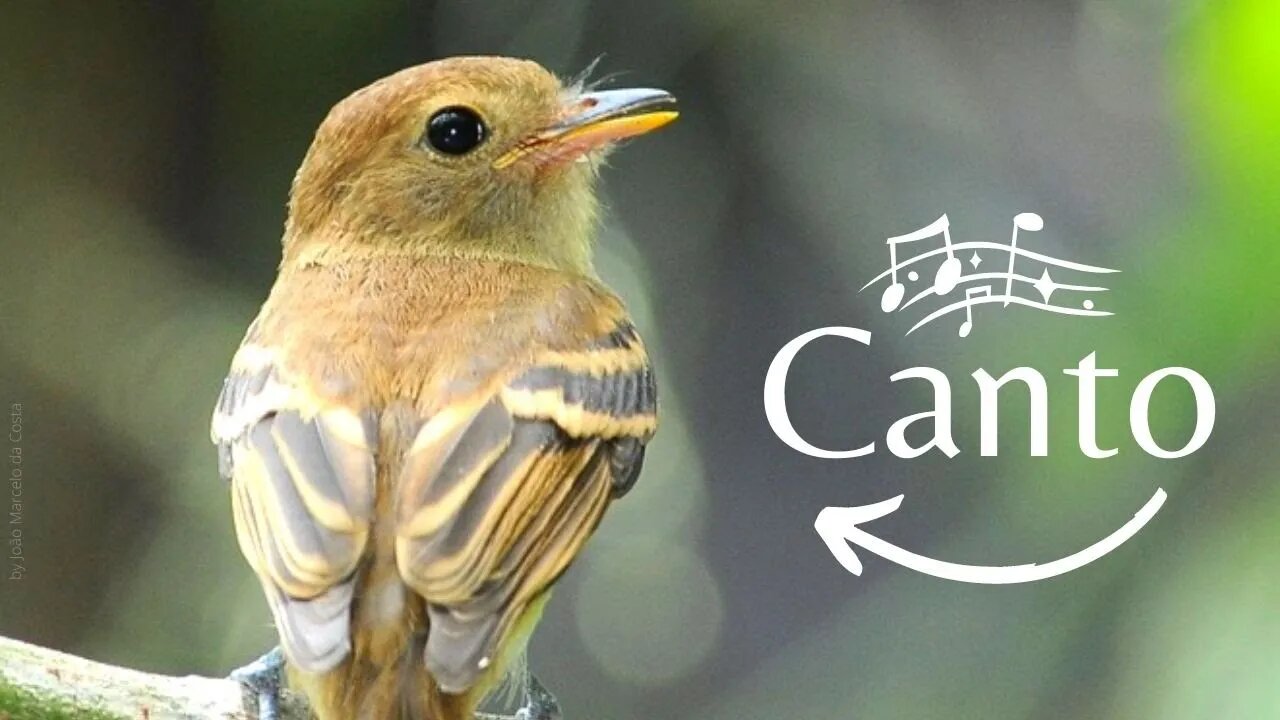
302	477
498	494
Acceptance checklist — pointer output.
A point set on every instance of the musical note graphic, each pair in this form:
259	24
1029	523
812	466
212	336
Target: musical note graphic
944	280
949	275
967	325
1021	221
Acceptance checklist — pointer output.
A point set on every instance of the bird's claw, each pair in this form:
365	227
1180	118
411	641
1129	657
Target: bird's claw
539	703
263	678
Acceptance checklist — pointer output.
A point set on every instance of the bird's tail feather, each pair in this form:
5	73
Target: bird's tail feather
365	688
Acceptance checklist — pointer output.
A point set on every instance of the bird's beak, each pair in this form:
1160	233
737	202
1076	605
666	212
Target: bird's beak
592	120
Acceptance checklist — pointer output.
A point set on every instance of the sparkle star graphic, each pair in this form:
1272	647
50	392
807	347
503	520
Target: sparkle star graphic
1045	285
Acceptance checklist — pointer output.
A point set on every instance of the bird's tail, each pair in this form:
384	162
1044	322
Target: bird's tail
384	678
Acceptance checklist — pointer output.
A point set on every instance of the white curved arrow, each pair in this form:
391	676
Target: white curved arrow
838	527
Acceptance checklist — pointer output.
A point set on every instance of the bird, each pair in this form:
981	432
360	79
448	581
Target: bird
439	398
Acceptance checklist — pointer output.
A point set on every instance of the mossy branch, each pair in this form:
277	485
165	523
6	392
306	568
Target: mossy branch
41	684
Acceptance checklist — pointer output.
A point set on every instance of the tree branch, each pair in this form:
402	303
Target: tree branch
41	684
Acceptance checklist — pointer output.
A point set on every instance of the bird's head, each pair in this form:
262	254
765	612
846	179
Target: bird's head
478	156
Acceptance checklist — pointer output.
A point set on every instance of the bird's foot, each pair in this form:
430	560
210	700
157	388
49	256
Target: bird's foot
539	703
263	678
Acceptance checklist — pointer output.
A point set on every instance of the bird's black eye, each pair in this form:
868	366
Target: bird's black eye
455	130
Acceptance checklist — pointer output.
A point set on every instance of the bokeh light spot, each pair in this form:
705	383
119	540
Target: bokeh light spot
652	615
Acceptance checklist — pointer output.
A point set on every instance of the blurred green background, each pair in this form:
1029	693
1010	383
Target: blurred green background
144	161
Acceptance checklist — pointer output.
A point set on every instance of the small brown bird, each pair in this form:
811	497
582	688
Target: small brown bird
439	398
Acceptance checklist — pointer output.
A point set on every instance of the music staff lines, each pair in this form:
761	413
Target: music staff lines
949	275
1001	276
965	304
988	245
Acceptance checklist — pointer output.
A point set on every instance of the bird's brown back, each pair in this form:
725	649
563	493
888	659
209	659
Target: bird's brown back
373	331
400	341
